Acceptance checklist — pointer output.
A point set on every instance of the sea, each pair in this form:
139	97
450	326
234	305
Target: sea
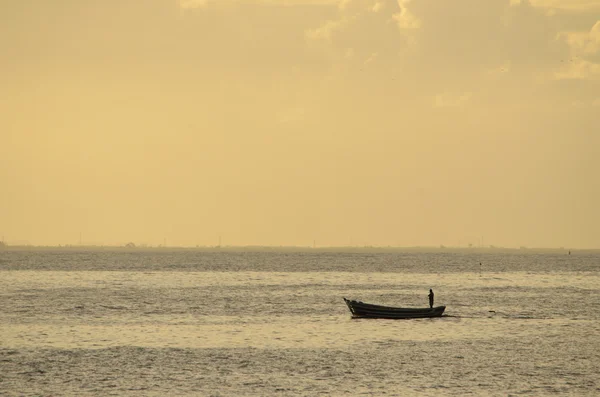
273	322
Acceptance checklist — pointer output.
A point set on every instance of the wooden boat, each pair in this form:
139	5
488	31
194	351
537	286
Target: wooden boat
366	310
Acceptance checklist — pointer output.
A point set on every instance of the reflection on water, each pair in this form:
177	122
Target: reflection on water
283	332
18	280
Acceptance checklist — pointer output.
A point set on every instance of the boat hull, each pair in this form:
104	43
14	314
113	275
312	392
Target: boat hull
366	310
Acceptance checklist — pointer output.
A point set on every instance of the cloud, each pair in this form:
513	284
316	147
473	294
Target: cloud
579	69
584	43
371	23
405	18
584	48
286	3
568	5
327	29
457	45
348	11
343	4
378	6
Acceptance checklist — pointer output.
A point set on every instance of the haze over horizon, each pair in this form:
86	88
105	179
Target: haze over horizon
284	122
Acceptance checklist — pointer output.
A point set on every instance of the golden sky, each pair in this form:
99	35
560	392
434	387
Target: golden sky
288	122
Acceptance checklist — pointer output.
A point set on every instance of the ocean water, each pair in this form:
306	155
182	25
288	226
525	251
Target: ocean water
224	323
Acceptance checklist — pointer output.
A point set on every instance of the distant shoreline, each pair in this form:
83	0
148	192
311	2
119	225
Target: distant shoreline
252	248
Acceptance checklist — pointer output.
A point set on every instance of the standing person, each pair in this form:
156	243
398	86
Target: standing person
430	298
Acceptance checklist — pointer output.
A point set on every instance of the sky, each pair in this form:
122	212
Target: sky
300	122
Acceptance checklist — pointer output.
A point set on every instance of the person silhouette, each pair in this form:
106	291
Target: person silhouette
430	298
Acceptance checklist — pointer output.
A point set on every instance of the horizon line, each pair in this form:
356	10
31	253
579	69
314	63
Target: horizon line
303	247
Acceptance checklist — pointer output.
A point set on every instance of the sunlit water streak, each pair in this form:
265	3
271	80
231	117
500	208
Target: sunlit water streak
95	323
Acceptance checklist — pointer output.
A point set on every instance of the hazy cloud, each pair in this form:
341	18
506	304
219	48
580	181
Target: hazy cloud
278	121
569	5
405	18
584	43
202	3
378	6
580	69
584	62
327	29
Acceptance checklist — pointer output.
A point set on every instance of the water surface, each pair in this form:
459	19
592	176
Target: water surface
274	323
